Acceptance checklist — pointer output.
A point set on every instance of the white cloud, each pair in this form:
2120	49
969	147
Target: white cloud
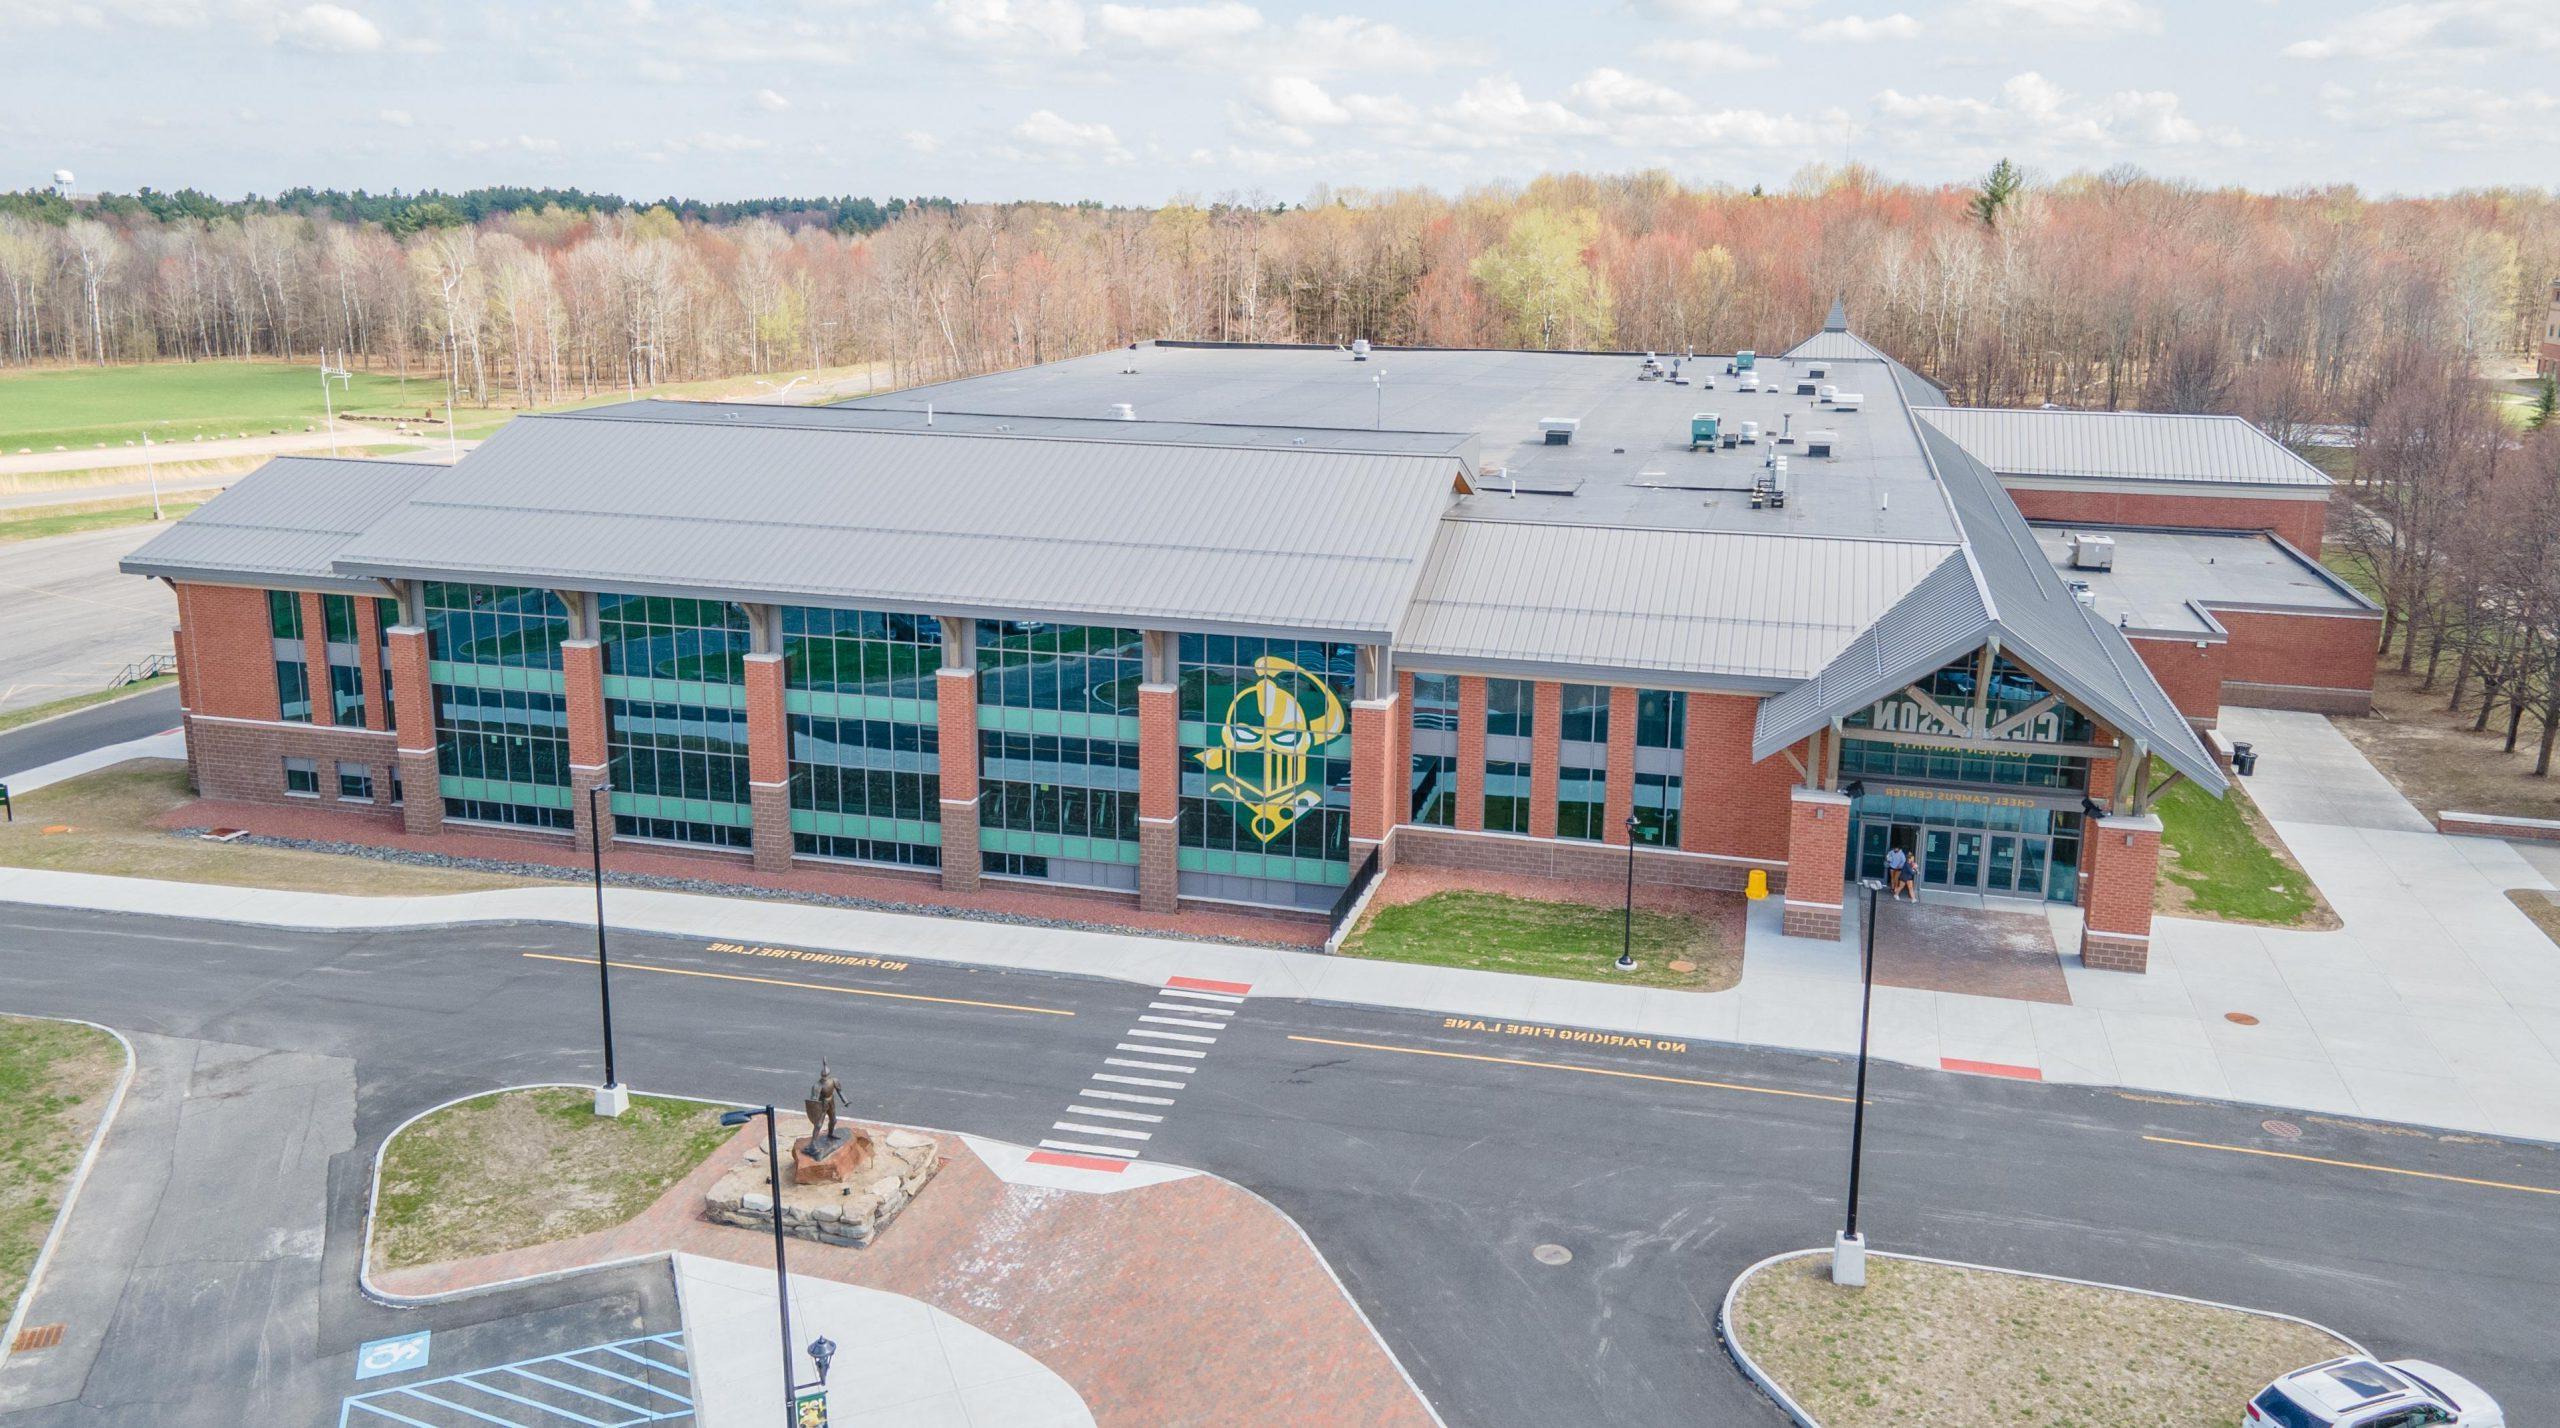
1043	26
2435	31
1694	55
1858	29
1340	43
919	141
2084	18
1176	27
519	144
2442	116
1748	14
2034	117
771	101
397	118
332	28
1614	92
1057	137
1296	99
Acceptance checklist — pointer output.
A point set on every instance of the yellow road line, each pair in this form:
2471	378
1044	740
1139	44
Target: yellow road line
621	964
2354	1165
1585	1070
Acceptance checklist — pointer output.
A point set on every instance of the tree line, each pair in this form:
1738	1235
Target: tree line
2094	290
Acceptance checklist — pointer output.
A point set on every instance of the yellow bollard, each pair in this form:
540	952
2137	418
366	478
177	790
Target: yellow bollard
1758	887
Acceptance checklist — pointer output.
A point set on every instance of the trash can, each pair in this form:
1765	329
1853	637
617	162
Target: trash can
2244	759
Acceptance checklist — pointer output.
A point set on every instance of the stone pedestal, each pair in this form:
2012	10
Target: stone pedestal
851	1211
848	1156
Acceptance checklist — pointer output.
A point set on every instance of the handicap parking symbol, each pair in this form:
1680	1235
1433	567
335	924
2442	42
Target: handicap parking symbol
385	1356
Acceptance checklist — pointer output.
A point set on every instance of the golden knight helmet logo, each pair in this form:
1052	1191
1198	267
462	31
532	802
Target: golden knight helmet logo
1264	741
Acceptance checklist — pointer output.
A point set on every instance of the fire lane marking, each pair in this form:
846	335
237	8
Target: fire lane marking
2354	1165
1585	1070
624	964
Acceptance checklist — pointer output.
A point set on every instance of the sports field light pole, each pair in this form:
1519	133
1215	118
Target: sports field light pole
822	1349
1849	1250
612	1098
1627	939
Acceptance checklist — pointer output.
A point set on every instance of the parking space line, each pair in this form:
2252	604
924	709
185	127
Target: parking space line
2355	1165
442	1397
626	964
1585	1070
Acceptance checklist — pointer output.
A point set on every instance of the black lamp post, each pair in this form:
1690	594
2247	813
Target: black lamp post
610	1099
822	1349
1627	939
1849	1251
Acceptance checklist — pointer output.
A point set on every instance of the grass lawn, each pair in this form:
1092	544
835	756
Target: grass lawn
2353	569
37	522
2219	859
16	717
1926	1343
526	1168
1496	932
176	401
106	818
54	1081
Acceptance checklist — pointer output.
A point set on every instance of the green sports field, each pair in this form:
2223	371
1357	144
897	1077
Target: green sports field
80	407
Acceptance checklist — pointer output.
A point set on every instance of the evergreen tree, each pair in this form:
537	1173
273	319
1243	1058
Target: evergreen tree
1998	190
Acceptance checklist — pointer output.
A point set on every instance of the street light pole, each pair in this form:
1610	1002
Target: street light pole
1627	936
611	1097
151	463
821	1349
1849	1251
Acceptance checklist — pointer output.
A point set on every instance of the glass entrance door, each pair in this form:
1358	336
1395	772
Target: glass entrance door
2000	870
1934	846
1967	872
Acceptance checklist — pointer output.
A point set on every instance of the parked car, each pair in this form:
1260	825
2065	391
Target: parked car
2360	1393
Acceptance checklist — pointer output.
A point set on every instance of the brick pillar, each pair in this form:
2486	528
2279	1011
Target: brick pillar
377	711
1817	862
1470	752
1620	798
315	669
2122	852
1377	773
955	693
422	809
582	686
1159	798
1546	738
769	763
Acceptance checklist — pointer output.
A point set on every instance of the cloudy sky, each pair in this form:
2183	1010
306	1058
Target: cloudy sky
1067	99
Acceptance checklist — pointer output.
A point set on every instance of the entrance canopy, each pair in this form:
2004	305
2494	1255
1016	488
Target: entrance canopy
2002	590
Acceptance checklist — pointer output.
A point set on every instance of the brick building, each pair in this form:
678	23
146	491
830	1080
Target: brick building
1192	626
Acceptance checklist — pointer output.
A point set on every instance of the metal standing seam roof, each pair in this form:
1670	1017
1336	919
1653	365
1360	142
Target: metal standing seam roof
2125	446
1179	537
287	520
2014	594
1723	607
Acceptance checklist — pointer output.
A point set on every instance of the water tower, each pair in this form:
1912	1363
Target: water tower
62	182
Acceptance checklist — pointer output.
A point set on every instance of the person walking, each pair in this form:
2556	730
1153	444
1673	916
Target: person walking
1897	871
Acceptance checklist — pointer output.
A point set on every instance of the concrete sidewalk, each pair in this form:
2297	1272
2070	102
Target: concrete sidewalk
2437	1004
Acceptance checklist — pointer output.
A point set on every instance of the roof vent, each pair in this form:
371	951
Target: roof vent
1820	443
1750	433
1360	349
2081	592
1750	382
1559	430
1123	411
1847	401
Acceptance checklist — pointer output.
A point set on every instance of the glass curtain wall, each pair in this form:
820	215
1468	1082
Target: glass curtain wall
1582	764
1510	712
1662	734
1058	751
1435	750
502	727
346	666
293	674
675	701
1266	770
866	745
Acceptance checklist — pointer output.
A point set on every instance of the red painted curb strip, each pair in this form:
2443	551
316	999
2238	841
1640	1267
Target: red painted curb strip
1989	1068
1076	1162
1203	984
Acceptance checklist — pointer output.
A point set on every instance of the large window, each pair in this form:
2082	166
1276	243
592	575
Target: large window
1506	796
1266	768
502	723
346	673
1582	773
1435	750
1662	731
1058	751
676	718
866	743
293	675
1510	708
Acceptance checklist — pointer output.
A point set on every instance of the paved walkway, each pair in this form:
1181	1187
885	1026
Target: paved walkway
88	458
2438	1003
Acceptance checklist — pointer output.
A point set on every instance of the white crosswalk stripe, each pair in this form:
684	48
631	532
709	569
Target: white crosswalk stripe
1163	1051
1129	1096
1080	1148
1110	1113
1203	1013
1135	1080
1121	1131
1188	1010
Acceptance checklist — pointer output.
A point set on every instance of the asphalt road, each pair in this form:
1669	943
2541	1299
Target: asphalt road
95	727
1426	1161
69	621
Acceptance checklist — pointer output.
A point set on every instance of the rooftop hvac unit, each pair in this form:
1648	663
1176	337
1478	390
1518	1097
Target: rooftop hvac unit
1360	349
1750	433
1123	411
1702	430
1744	361
1559	430
1847	401
1827	392
2081	592
1804	387
1750	382
1816	371
1820	443
2093	552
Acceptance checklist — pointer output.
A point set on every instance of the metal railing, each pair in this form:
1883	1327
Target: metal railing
143	669
1349	901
